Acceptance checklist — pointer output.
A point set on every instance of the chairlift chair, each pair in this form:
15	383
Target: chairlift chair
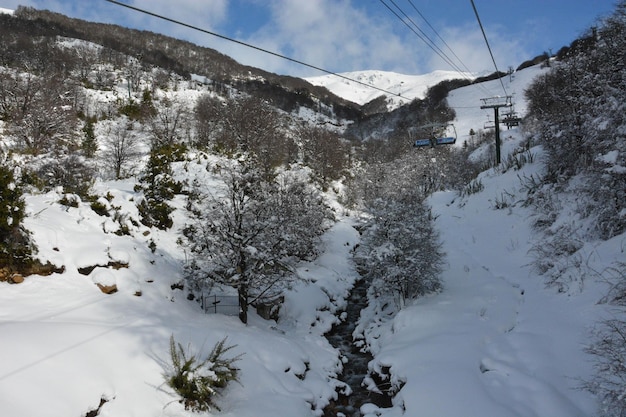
511	119
437	137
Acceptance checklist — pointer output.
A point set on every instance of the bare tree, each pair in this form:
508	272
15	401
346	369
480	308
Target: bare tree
120	149
170	124
325	152
245	125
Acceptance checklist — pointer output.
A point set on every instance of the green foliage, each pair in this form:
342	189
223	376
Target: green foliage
90	146
159	186
15	248
100	208
70	200
131	110
198	381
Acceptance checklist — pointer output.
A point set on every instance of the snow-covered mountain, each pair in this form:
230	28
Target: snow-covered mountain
401	88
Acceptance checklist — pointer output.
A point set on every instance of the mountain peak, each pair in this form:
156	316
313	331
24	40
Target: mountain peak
398	88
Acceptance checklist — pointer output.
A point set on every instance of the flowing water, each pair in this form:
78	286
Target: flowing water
355	369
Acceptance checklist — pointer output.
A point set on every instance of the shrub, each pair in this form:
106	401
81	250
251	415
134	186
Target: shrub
197	381
473	187
70	172
609	383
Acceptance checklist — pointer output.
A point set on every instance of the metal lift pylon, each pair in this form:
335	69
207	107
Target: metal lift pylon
495	103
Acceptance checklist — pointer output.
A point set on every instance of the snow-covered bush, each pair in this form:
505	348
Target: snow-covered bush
400	249
197	381
578	111
609	353
70	172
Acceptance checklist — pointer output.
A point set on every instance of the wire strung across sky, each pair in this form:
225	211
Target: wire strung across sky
488	47
429	42
208	32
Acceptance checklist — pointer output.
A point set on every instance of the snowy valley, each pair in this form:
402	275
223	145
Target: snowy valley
509	331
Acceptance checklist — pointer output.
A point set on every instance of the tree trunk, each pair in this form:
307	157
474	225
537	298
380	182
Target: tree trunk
242	290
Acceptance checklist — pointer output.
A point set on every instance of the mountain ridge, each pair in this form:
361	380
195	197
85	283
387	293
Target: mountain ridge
399	89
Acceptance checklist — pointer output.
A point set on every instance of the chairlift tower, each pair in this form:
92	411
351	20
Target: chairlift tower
495	103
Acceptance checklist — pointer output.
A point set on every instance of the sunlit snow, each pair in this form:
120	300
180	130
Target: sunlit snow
495	342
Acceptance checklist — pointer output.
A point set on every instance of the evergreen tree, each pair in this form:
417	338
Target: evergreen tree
159	186
90	145
15	248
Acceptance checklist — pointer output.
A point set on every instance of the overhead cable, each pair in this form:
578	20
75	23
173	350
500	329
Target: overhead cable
431	44
488	47
247	45
421	35
439	36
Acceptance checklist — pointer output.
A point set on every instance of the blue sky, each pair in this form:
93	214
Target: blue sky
350	35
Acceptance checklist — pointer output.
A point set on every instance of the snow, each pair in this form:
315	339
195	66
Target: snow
495	342
403	88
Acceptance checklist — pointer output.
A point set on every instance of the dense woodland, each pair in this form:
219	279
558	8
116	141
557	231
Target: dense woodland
82	101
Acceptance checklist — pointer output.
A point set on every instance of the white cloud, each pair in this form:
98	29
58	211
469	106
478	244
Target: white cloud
469	45
336	35
202	14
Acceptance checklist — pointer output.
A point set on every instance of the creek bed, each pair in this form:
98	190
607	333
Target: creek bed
355	368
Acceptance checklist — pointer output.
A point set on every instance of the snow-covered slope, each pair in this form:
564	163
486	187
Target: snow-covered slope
494	343
403	88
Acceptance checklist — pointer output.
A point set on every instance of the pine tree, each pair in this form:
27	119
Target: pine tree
90	146
15	248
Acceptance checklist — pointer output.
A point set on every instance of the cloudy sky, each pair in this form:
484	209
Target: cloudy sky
350	35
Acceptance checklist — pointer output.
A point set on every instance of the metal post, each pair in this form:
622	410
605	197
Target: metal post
495	103
495	115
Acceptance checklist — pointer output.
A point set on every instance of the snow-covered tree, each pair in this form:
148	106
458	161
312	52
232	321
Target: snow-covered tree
169	124
324	152
578	110
400	250
40	110
250	234
244	125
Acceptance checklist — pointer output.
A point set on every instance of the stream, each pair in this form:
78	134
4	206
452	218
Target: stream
355	369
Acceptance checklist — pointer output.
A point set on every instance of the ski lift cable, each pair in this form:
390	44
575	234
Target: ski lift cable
421	35
444	42
488	46
257	48
437	34
441	54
